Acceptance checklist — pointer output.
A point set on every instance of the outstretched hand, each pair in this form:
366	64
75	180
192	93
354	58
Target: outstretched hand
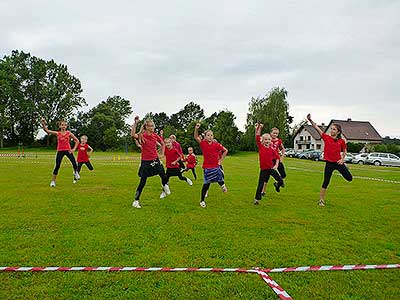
309	118
136	119
198	125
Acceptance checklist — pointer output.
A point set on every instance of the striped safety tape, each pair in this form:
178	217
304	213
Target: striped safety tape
282	294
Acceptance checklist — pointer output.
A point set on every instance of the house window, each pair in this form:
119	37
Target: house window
308	146
309	138
301	138
299	147
318	147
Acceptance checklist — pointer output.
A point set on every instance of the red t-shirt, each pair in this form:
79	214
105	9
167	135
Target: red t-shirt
63	141
178	147
276	145
333	148
210	154
82	153
191	161
171	155
266	155
149	146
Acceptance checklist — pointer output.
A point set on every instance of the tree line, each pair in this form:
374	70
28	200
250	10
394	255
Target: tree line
32	87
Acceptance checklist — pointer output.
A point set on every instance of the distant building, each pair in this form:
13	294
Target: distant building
307	138
357	131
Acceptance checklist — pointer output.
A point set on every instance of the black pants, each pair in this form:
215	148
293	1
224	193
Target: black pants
332	166
88	165
264	177
281	169
149	169
171	172
181	164
205	188
59	157
193	171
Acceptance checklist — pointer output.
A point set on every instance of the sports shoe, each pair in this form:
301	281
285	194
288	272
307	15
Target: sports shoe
74	181
189	181
53	184
277	187
166	189
76	175
321	202
136	204
203	204
256	202
224	188
163	195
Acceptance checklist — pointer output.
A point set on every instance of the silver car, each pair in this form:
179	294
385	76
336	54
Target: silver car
360	158
383	159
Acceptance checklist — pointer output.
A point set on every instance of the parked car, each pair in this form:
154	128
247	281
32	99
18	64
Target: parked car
314	155
349	158
303	154
383	159
359	158
290	153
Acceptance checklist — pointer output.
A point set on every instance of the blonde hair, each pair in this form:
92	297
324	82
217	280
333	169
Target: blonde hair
207	131
61	121
84	136
274	128
143	128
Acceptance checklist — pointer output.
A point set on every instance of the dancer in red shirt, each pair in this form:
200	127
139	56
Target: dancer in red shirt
211	161
269	162
191	162
83	154
63	149
334	153
150	164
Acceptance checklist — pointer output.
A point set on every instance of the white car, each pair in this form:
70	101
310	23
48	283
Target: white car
359	158
383	159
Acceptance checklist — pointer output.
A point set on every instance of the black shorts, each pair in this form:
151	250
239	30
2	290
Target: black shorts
150	168
173	172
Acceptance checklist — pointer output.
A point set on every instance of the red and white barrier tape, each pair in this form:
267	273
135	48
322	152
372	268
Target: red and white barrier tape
332	268
282	294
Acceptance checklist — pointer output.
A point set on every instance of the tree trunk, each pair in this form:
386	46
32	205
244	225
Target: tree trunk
1	137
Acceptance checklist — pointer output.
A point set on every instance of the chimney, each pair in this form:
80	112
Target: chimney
322	124
348	120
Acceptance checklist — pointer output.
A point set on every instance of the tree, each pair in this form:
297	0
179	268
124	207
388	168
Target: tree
185	116
226	132
271	110
35	88
105	123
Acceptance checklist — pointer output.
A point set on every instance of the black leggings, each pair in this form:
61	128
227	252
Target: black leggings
143	180
59	157
193	171
205	188
330	167
179	175
88	165
281	169
264	177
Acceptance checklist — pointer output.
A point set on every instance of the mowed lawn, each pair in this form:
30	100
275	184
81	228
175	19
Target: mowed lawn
92	223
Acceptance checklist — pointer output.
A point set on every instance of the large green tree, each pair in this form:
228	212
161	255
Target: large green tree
271	110
34	88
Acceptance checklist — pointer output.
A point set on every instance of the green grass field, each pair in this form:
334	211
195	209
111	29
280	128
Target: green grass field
92	223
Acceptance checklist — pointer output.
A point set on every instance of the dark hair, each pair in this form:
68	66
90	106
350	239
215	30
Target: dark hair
339	128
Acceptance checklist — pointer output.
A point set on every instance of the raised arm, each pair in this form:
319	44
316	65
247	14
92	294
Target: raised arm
259	127
44	126
314	125
133	129
196	133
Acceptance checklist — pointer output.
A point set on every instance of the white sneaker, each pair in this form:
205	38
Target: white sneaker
189	181
256	202
136	204
224	188
203	204
74	181
163	195
166	189
53	184
321	202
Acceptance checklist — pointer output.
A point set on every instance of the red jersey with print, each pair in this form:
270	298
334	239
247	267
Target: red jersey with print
171	155
333	148
178	147
210	154
149	146
191	161
276	145
266	154
63	141
82	153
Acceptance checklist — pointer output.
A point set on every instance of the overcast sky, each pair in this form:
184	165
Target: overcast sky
337	59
